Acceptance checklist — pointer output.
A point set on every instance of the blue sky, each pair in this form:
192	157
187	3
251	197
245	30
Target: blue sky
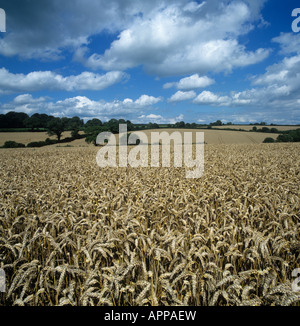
152	61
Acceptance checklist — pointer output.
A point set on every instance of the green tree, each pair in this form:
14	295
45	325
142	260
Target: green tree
180	124
93	123
92	132
152	125
112	125
37	121
130	125
32	122
289	136
56	127
12	144
74	125
295	134
284	138
269	140
217	123
13	120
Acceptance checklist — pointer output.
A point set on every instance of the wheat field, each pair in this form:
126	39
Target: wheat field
249	127
28	137
211	136
216	137
72	233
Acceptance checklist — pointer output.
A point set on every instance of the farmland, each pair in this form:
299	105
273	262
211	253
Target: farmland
223	136
250	127
211	136
28	137
72	233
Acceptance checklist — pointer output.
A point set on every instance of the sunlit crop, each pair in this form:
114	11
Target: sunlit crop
72	233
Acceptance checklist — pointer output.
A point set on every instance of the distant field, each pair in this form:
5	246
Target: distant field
210	137
247	127
222	136
23	137
235	137
28	137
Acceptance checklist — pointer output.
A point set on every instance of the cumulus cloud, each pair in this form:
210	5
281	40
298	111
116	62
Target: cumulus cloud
146	100
43	30
80	106
48	80
182	96
192	82
174	40
280	81
207	97
289	43
28	99
26	103
156	118
174	37
277	88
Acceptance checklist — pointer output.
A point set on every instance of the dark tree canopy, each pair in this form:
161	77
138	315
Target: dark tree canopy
56	127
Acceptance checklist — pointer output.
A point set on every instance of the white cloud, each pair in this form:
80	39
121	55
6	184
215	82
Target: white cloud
207	97
168	38
27	104
286	72
47	80
80	106
156	118
151	118
289	42
191	82
173	40
194	81
280	85
27	98
278	88
169	85
182	96
146	100
179	118
45	31
194	6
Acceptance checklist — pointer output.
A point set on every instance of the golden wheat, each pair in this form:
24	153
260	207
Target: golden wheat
74	234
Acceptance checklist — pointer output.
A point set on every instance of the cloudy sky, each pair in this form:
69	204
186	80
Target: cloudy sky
158	61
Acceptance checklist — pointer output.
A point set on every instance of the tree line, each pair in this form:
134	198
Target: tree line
288	136
55	126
